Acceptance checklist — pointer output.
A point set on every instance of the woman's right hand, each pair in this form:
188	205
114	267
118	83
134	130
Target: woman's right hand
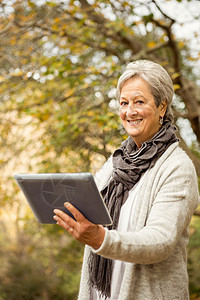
82	230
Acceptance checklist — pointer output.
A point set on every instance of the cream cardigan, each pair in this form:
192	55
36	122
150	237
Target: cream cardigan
156	249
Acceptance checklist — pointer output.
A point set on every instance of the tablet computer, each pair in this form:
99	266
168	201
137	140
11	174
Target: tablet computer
45	192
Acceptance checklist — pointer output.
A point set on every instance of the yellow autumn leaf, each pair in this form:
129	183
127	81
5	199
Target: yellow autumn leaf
175	75
181	44
151	44
56	20
103	44
69	93
192	58
2	161
13	41
17	73
139	22
2	79
176	86
44	117
90	113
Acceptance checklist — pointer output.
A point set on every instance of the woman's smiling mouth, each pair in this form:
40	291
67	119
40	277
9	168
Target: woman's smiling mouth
134	122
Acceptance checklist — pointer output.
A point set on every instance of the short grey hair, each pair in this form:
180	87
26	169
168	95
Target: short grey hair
156	76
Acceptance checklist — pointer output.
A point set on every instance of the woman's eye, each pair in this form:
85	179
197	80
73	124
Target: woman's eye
123	103
139	102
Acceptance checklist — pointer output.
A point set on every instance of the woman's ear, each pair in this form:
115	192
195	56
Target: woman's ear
163	108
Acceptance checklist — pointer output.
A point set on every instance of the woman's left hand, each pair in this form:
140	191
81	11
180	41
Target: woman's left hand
82	230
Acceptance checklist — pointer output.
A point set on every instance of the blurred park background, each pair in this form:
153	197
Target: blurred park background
59	66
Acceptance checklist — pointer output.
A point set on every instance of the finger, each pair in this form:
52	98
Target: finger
63	224
64	217
75	212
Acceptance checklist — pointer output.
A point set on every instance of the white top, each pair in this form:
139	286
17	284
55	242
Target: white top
125	224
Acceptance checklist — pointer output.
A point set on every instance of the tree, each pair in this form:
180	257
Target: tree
60	64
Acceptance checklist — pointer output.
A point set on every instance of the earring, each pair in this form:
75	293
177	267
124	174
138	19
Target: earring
161	120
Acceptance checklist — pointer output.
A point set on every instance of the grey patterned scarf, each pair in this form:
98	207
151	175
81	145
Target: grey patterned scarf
129	163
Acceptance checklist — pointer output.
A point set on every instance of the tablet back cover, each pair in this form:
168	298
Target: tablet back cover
45	192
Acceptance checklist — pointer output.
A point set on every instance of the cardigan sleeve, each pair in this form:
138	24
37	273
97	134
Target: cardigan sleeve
174	197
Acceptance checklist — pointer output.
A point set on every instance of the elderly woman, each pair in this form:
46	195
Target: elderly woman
150	187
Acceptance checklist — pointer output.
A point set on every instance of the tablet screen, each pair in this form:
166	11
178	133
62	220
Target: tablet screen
45	192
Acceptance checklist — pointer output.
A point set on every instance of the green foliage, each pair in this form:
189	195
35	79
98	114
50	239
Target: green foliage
42	265
24	280
194	258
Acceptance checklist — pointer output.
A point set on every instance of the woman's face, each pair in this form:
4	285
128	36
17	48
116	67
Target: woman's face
139	114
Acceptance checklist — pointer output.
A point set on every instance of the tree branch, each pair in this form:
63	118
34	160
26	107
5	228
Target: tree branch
129	41
164	14
193	157
197	213
8	58
7	28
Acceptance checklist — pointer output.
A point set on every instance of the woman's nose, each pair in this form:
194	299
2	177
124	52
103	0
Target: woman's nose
131	111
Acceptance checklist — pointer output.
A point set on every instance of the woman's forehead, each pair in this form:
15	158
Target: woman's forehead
133	95
137	86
